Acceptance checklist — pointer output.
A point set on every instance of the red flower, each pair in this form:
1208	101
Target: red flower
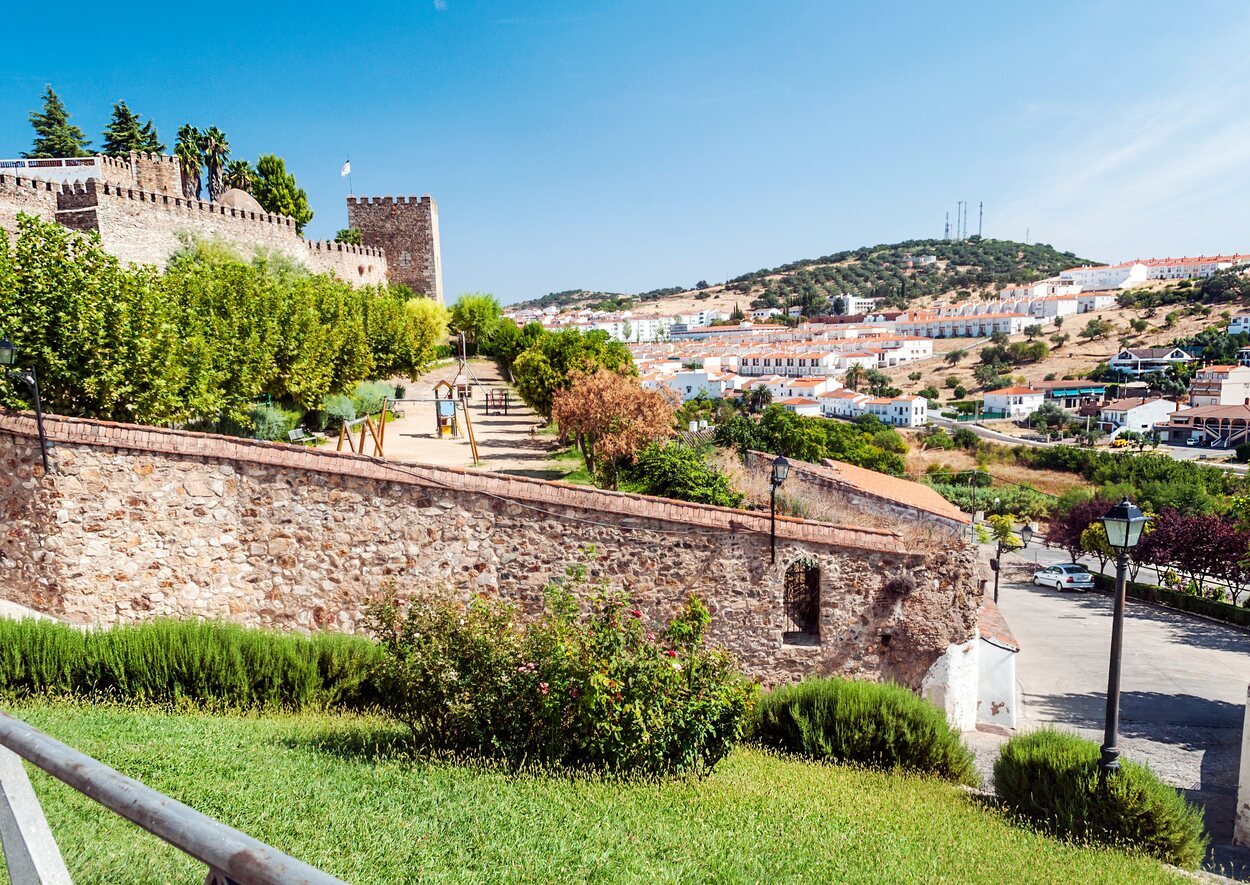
636	613
542	686
671	653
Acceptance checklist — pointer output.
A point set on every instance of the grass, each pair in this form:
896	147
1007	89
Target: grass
333	791
569	466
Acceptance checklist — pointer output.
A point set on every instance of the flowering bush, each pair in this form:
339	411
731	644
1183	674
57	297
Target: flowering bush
594	689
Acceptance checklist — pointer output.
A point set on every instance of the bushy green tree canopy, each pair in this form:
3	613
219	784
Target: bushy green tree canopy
55	136
275	189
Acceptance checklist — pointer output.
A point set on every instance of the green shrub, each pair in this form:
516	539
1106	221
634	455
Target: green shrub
209	664
1052	779
368	396
600	692
867	723
272	422
338	410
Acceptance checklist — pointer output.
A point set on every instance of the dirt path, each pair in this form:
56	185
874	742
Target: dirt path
505	443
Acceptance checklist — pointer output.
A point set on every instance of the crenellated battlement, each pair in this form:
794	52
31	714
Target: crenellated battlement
345	248
173	203
18	181
388	201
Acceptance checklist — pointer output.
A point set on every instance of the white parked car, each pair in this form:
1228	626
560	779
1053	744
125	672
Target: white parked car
1065	576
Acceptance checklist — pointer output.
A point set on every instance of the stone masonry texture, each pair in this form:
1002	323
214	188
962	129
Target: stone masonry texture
138	209
136	522
406	229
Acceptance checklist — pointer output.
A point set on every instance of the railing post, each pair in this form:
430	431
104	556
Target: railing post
30	851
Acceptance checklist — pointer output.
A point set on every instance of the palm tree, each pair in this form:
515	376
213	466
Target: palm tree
239	173
757	398
187	152
215	150
854	376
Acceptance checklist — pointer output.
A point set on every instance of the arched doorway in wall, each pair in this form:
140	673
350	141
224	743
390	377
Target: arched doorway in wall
801	600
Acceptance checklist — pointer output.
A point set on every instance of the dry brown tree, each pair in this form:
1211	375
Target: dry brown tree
611	418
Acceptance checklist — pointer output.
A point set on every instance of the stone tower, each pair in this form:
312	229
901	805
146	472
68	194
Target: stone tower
407	229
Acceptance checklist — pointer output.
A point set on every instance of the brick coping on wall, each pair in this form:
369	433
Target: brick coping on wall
519	489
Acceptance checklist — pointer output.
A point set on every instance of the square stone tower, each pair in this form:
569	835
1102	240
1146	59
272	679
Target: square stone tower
407	229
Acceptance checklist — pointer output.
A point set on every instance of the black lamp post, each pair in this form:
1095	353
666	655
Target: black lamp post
781	469
8	356
1026	535
1124	523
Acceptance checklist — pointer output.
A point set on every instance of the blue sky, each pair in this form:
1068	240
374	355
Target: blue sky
626	146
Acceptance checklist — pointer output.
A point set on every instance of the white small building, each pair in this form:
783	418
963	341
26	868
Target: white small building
1239	324
1220	386
1088	302
808	408
1138	413
842	403
1144	360
1014	402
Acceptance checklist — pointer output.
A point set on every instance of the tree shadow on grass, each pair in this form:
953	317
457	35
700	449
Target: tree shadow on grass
373	743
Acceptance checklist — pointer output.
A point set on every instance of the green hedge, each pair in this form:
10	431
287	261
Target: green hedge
1200	605
880	726
1052	779
209	664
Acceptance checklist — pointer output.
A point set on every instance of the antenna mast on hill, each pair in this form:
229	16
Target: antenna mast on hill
958	209
980	216
946	231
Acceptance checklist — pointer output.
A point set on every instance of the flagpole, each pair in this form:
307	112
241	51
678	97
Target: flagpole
350	192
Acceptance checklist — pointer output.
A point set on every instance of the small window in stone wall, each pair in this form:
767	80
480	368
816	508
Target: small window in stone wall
405	259
802	604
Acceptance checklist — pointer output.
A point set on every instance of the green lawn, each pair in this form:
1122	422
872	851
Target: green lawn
328	790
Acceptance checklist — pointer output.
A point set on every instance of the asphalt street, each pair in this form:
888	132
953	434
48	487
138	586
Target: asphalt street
1183	686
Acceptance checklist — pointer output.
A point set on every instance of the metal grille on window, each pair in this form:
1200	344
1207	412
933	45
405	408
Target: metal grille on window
802	603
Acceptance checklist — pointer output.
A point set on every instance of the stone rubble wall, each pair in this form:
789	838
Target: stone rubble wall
28	196
406	229
140	522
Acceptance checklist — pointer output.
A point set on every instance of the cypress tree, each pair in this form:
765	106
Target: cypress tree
55	136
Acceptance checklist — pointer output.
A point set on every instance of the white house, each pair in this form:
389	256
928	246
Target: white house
842	403
1192	268
856	304
765	313
1220	386
809	408
1014	402
1138	413
1144	360
1088	302
1239	325
1114	276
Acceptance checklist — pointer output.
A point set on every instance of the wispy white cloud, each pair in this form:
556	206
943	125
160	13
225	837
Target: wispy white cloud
1171	173
440	5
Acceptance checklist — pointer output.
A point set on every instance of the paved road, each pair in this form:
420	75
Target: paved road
1183	685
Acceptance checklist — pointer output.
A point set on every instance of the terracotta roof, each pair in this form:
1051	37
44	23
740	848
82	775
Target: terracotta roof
1132	402
798	401
992	626
893	488
1237	411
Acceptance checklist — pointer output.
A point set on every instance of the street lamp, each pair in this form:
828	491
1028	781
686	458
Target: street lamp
8	357
1124	523
781	469
1026	535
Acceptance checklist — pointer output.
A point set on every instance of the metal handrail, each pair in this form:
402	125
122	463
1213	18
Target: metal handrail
230	855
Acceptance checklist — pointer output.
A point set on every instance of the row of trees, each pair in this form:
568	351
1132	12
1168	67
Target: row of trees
1205	554
199	153
199	343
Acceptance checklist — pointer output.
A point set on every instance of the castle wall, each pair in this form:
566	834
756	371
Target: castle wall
139	522
359	265
141	170
28	196
406	228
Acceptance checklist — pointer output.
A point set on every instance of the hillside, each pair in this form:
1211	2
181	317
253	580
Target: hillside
887	271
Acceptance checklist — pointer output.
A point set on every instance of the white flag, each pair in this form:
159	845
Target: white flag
347	169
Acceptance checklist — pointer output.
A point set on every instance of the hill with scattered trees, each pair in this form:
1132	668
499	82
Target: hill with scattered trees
897	273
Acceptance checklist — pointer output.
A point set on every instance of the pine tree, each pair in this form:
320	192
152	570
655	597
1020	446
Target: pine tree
123	134
55	137
151	141
275	189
